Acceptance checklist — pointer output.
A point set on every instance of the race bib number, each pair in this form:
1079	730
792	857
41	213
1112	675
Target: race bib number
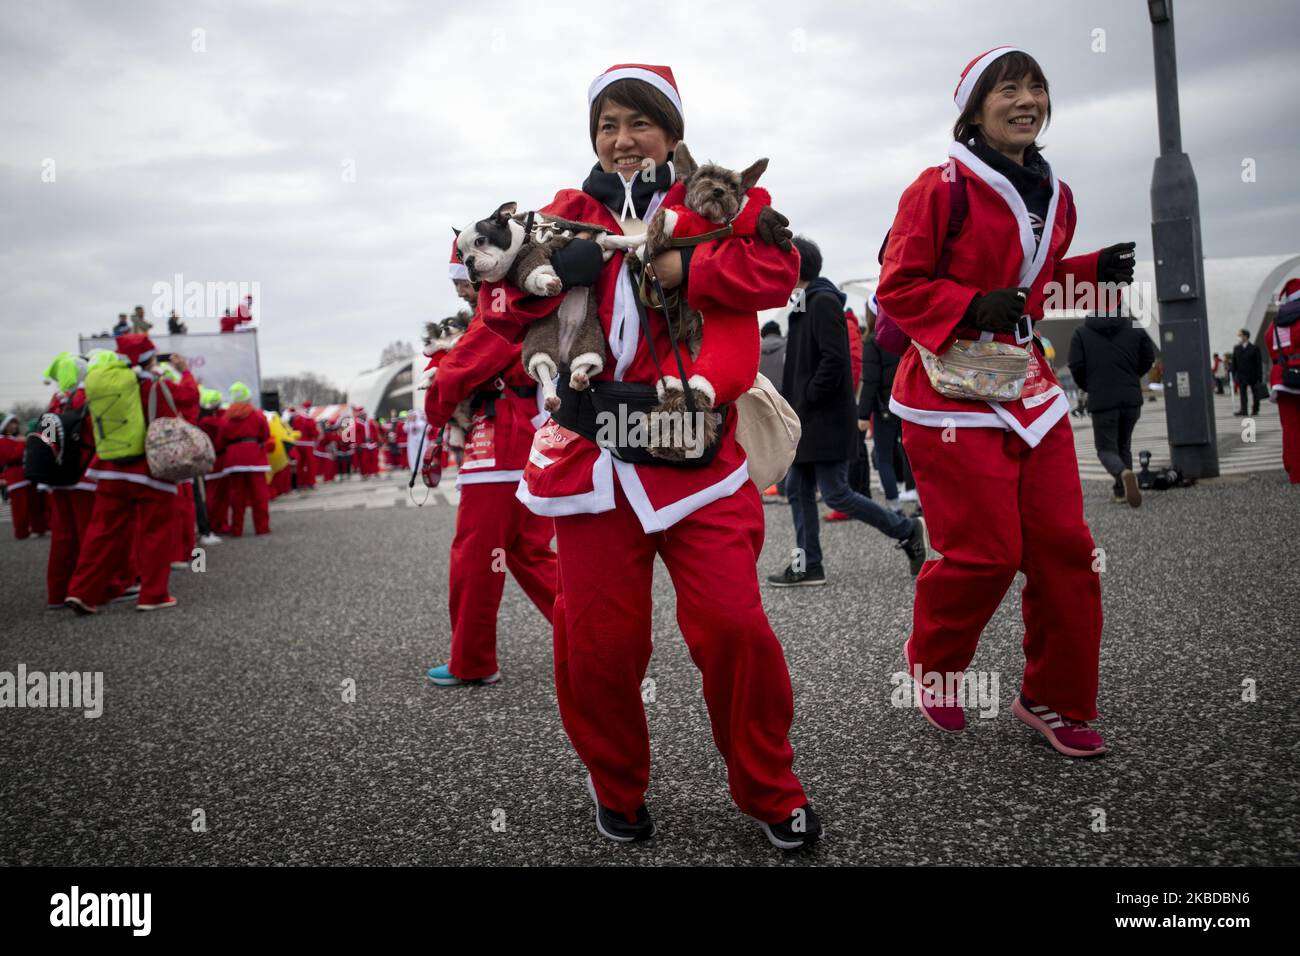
550	443
480	446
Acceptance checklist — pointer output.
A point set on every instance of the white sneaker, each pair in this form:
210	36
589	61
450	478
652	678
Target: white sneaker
209	539
893	504
908	495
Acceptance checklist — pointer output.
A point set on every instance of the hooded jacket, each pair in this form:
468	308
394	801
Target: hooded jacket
818	375
1108	358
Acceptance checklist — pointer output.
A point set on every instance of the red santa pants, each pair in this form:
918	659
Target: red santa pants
72	510
603	645
216	493
20	507
122	507
494	533
282	481
248	489
184	518
995	506
306	467
1288	410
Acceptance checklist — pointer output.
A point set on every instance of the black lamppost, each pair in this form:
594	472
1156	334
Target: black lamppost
1180	273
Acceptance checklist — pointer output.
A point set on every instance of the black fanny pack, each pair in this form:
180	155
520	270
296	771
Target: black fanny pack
244	441
617	416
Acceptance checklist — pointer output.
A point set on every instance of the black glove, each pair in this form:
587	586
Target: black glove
578	263
1115	263
997	311
774	229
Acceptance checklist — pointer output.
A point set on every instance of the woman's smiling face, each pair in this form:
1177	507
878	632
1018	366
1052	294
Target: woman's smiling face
1013	115
626	138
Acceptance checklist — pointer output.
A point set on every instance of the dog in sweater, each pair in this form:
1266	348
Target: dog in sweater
518	248
715	198
439	339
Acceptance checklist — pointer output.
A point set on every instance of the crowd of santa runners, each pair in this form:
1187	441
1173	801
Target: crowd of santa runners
978	240
117	530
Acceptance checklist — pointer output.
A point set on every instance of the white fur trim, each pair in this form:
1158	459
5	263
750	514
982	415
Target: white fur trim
457	270
79	486
599	499
702	384
1034	432
667	516
668	382
636	73
102	475
625	325
1032	260
939	419
19	484
537	359
1289	298
488	477
243	468
589	358
967	85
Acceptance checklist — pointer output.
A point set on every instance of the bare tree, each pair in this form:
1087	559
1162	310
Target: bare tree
306	386
395	352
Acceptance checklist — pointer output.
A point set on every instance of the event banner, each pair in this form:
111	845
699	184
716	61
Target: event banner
216	358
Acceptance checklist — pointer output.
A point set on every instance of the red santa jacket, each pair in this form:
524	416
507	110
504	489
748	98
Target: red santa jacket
482	363
245	439
11	460
210	421
137	470
1282	340
729	281
994	250
305	426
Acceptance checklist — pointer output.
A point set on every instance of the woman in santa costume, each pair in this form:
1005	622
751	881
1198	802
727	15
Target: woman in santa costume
612	517
13	441
176	372
481	368
245	439
999	480
215	486
133	509
305	446
1284	350
71	505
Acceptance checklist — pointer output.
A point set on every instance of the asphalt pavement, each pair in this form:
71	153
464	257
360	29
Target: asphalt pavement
236	704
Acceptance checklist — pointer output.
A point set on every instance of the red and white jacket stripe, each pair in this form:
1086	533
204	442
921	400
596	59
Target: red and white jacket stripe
995	249
729	281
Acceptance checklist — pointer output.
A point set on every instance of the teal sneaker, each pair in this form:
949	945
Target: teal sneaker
443	677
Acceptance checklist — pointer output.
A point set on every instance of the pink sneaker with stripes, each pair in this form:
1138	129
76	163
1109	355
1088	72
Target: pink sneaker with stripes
1074	738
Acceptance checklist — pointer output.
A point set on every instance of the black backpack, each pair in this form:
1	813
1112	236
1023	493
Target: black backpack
54	451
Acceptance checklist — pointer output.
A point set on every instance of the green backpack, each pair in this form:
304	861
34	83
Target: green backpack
113	400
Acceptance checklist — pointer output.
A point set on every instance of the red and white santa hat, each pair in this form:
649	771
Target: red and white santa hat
136	348
455	268
974	70
660	77
1290	291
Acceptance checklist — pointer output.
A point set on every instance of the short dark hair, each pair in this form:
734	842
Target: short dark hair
1245	332
1011	65
770	328
646	100
810	258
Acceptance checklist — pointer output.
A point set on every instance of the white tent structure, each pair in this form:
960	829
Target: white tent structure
381	390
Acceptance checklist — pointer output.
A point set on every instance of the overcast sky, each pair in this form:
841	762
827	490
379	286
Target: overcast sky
224	154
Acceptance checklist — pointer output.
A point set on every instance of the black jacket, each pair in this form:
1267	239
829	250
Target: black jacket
1247	365
818	375
1108	358
878	369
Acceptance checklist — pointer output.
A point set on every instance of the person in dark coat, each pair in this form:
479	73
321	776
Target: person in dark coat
878	368
818	382
771	359
1108	358
1247	372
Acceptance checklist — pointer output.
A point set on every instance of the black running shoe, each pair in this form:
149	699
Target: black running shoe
790	578
613	825
802	828
914	546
